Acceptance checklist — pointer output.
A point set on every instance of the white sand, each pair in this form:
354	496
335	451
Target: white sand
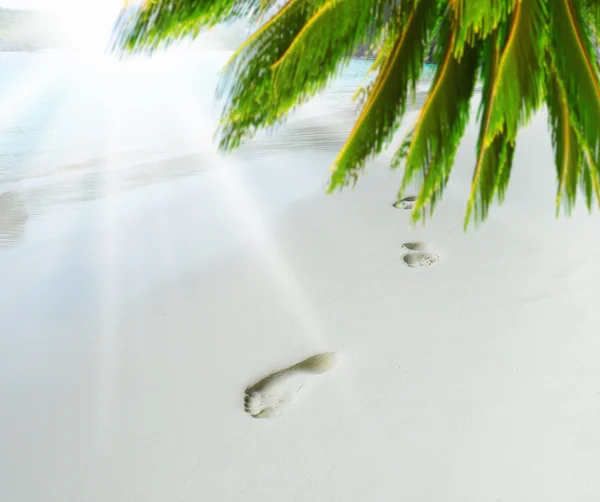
132	325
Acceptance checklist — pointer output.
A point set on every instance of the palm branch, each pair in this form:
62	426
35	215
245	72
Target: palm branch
526	53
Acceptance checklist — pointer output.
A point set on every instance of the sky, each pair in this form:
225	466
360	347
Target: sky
86	23
54	5
22	4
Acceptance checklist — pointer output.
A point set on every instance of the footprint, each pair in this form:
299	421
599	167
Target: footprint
414	246
406	203
420	259
268	397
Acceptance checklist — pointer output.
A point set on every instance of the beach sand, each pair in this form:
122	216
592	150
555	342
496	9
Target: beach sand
129	339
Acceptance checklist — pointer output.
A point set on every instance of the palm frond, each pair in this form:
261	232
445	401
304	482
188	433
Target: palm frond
327	41
386	103
591	14
577	68
518	88
591	183
567	151
513	86
384	46
248	81
490	161
477	19
530	52
442	120
590	177
159	23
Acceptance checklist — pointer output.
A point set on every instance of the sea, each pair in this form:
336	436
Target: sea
76	127
112	188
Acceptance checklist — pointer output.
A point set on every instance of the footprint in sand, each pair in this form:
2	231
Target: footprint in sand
420	259
414	246
406	203
268	397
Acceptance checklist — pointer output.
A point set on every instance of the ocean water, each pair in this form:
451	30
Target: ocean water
77	128
62	112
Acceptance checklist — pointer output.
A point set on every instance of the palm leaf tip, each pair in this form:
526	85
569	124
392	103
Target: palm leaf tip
518	87
478	19
325	44
568	155
513	70
254	98
573	99
430	147
386	103
156	24
575	63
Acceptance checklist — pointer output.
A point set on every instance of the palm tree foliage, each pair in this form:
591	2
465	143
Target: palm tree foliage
526	53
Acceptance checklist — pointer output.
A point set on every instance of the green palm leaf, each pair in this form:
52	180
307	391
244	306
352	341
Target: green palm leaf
491	161
591	13
327	41
477	19
591	182
590	179
577	68
518	88
513	75
391	31
248	81
159	23
386	103
568	154
442	121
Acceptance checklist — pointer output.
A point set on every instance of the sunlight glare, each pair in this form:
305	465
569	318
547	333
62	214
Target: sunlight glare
86	26
251	216
18	99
